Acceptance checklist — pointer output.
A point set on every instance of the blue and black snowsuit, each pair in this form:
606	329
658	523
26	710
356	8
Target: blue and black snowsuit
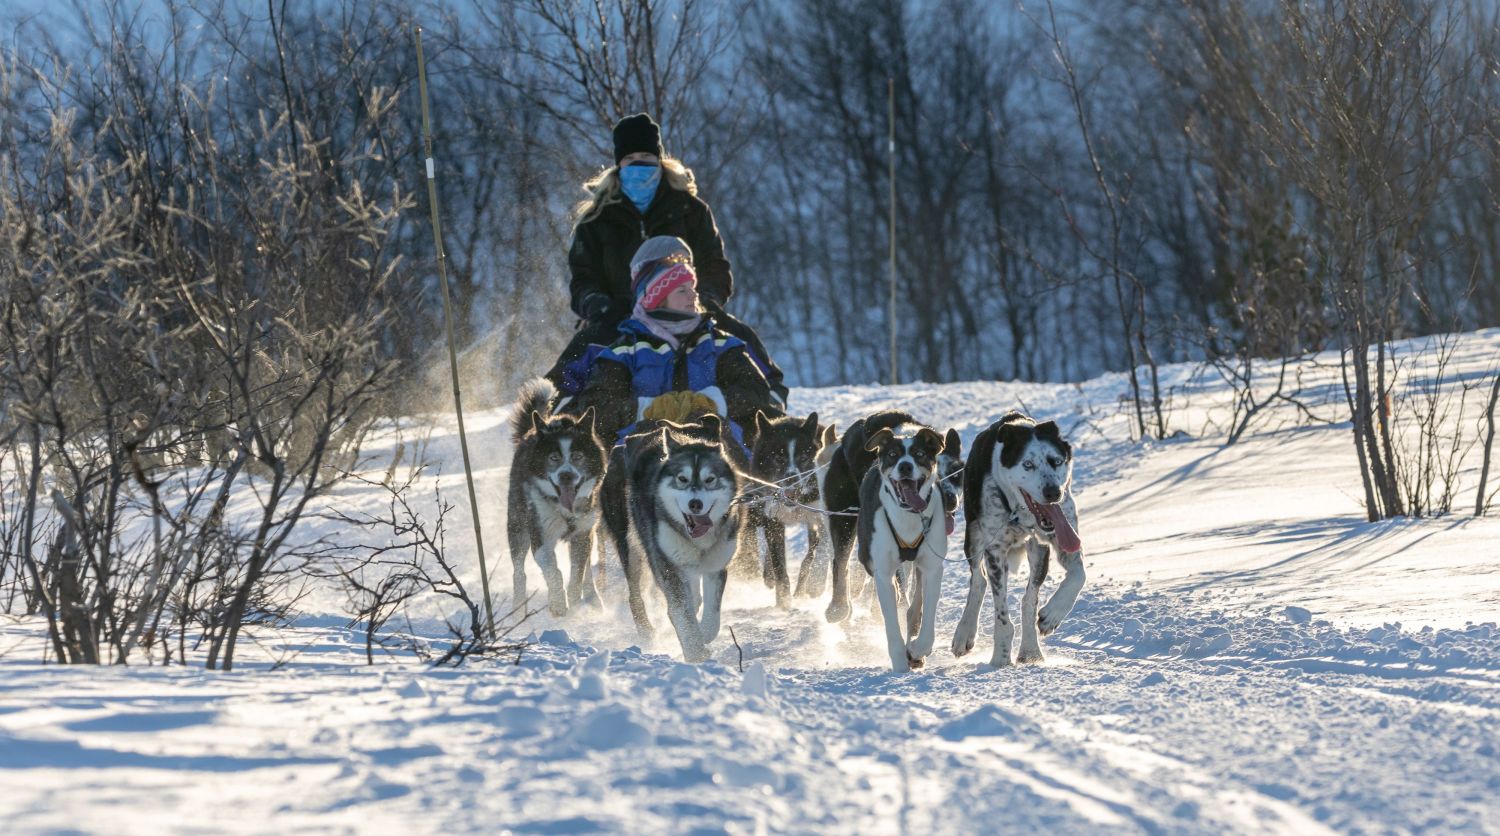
640	366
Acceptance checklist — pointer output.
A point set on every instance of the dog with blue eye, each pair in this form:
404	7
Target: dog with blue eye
670	506
558	466
1019	504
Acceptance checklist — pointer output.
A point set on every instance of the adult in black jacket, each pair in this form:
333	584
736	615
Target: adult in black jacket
646	194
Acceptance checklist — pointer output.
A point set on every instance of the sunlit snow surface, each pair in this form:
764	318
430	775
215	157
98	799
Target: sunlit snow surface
1248	655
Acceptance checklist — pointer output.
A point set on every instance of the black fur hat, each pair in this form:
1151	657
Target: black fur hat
637	133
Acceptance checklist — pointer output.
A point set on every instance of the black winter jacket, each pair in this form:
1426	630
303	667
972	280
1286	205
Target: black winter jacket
599	258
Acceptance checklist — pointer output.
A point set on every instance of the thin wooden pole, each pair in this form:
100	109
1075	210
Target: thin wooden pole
890	86
442	262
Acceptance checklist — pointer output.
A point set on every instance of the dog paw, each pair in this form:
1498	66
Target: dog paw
917	649
1049	619
914	662
695	655
900	664
1030	657
1000	660
837	611
962	645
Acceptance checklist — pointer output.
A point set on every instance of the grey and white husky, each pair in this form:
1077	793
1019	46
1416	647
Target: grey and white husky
558	466
1016	492
669	503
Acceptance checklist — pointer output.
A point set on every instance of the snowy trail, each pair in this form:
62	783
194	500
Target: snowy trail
1235	663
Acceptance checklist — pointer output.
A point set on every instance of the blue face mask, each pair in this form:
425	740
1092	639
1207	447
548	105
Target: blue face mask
639	183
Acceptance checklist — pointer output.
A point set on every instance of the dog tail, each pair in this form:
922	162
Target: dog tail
536	396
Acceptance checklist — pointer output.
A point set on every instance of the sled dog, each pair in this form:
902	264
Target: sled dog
558	466
1016	491
669	503
786	452
900	506
848	463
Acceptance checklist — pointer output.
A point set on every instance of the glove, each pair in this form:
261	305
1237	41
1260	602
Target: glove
711	301
595	306
679	407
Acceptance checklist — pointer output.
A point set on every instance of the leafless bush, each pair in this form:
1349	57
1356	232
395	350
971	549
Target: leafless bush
410	560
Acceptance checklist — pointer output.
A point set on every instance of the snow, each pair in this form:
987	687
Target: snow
1248	655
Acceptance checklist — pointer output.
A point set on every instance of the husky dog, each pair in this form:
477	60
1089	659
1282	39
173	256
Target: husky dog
1016	489
558	465
785	453
669	497
900	502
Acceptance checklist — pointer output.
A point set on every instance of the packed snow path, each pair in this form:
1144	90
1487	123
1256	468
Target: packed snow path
1234	663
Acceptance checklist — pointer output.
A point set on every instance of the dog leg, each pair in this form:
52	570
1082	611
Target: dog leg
633	566
885	591
713	603
557	591
516	535
1066	594
680	609
928	585
776	575
580	555
1031	646
813	574
909	589
968	623
842	529
746	563
998	566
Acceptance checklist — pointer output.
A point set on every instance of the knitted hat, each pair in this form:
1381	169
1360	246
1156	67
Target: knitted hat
661	265
637	133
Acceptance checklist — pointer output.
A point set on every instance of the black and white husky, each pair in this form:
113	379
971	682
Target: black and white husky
554	476
1016	490
787	452
843	476
669	497
900	522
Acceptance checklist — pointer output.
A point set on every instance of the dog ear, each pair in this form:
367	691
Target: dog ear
875	441
668	443
537	422
760	422
953	445
1012	439
715	426
830	435
811	424
1049	431
586	422
930	437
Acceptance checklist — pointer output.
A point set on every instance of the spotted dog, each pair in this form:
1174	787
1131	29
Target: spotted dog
1016	492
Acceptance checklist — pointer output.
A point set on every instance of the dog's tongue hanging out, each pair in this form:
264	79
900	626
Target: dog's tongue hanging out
698	524
567	495
1067	538
906	490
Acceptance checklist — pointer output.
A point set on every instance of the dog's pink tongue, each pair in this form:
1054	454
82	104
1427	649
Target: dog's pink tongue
1067	538
699	525
907	490
567	495
951	524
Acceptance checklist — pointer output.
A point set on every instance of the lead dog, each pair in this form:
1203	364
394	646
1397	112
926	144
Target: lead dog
669	499
847	466
554	475
1016	490
900	503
